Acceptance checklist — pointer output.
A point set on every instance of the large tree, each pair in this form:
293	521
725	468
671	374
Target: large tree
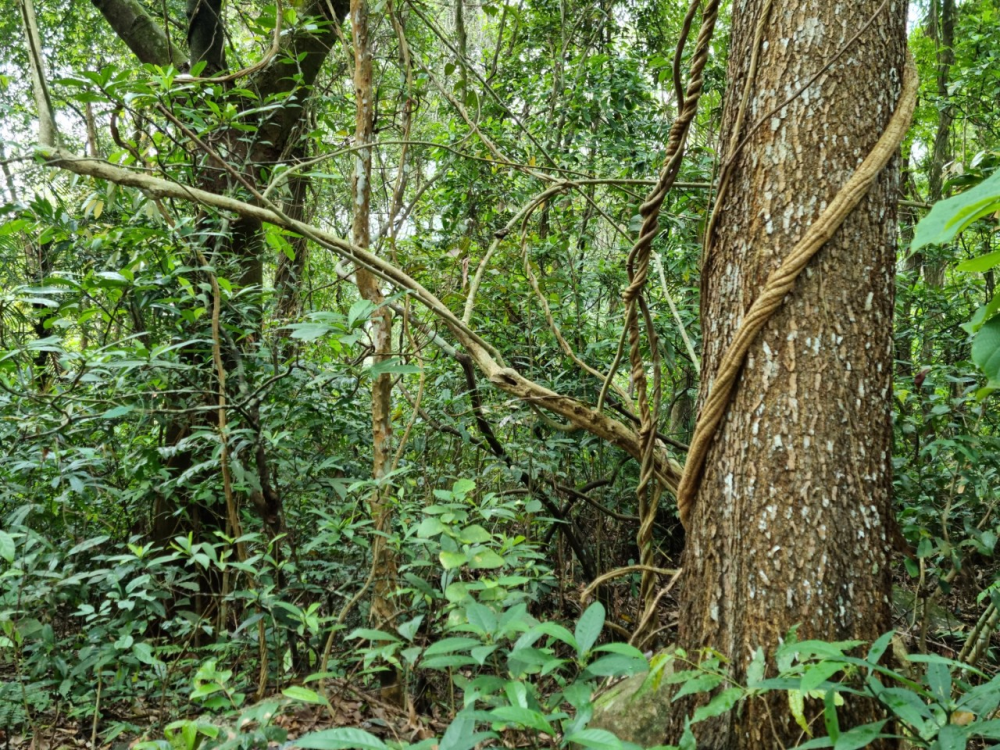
790	522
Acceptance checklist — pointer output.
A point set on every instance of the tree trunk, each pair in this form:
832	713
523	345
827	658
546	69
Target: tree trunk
790	524
943	32
382	613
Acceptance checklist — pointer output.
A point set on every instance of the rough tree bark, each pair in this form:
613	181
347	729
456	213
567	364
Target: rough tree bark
791	520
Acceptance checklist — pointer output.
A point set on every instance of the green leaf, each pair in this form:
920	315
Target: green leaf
980	264
485	559
523	716
597	739
949	217
558	632
88	544
342	738
451	645
622	648
617	665
118	411
475	534
953	737
830	719
447	661
879	647
859	737
589	627
409	628
481	653
817	674
452	560
360	310
430	527
308	331
906	706
700	684
755	671
372	635
144	653
986	348
6	547
463	487
299	693
721	703
482	617
461	734
797	707
939	680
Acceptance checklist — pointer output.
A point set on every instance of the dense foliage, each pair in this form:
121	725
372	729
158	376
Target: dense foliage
130	597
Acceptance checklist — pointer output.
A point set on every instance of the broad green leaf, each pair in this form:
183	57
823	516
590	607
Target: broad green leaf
755	671
980	264
299	693
452	560
447	661
830	719
88	544
118	411
144	653
361	309
485	559
617	665
481	653
721	703
953	737
558	632
859	737
482	617
986	348
463	487
939	680
342	738
589	627
430	527
6	547
308	331
987	729
596	739
451	645
906	706
461	733
700	684
879	647
622	648
372	635
475	534
949	217
816	674
797	707
523	716
409	628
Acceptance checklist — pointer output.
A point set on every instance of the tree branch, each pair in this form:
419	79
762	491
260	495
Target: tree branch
140	32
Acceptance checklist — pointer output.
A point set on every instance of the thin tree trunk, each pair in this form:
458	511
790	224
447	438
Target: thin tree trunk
382	612
790	525
943	32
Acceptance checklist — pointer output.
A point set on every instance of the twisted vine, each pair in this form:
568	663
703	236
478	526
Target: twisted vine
649	489
780	282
